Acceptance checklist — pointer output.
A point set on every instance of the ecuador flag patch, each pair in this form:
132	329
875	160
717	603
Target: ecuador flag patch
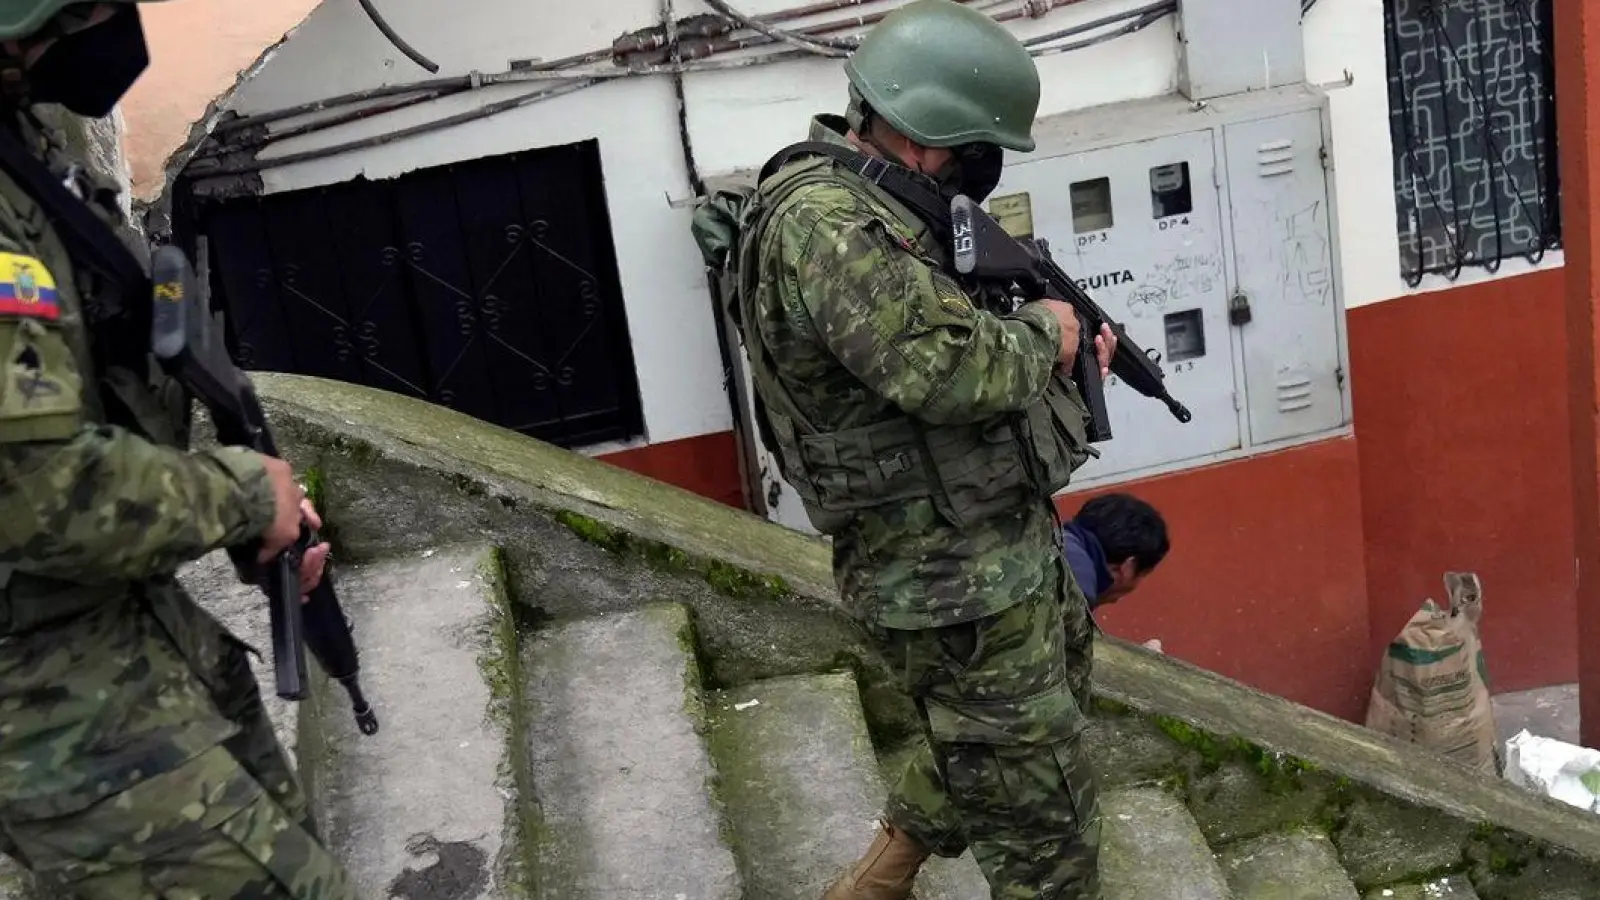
27	288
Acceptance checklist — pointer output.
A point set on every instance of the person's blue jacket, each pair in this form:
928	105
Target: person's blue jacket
1087	559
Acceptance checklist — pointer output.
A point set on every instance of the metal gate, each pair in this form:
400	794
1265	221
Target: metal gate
488	286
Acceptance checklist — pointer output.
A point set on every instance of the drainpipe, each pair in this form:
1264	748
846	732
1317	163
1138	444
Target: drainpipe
1577	52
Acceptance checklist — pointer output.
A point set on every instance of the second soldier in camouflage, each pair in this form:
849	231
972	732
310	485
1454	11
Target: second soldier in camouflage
926	436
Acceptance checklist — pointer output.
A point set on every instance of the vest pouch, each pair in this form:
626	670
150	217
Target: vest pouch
860	468
1060	433
980	470
41	390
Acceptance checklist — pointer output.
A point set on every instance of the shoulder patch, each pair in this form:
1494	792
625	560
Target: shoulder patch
27	288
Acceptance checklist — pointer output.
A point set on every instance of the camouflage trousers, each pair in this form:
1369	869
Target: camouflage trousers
1004	769
228	822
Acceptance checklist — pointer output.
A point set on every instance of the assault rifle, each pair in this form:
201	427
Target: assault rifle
183	337
167	305
984	251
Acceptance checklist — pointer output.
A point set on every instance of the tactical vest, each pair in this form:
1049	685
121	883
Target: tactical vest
970	472
129	390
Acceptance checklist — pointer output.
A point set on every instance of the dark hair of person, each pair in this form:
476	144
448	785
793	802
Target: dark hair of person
1127	528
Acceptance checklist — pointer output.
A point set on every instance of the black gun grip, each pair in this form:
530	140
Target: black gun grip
1086	372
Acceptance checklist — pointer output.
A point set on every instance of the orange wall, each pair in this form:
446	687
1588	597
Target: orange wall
197	49
1466	464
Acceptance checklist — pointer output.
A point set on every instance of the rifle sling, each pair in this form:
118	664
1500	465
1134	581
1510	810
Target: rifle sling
908	187
88	239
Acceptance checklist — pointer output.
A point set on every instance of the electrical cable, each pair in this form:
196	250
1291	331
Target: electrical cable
826	47
395	39
378	140
207	163
1160	9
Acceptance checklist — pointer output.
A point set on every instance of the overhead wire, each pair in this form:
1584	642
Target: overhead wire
576	72
830	47
1142	17
395	39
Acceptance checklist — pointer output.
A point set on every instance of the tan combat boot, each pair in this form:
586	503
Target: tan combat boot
885	872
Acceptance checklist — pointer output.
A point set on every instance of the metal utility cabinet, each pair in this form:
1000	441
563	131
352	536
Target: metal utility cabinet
1207	230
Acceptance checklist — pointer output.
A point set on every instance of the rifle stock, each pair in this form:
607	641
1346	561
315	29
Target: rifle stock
184	339
983	250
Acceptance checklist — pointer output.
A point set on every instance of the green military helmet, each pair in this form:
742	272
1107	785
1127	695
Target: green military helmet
20	18
943	75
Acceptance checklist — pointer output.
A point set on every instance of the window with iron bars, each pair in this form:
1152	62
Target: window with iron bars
1473	116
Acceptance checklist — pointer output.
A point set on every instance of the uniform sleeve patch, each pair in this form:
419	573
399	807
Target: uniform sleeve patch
27	288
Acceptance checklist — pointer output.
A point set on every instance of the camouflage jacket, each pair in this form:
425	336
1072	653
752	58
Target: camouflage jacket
91	513
864	324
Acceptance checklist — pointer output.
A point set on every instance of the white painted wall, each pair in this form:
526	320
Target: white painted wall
737	118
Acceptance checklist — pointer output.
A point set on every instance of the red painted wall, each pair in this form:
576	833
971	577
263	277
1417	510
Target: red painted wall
707	464
1265	581
1461	412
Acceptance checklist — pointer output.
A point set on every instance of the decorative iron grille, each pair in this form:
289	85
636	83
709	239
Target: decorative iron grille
488	286
1472	113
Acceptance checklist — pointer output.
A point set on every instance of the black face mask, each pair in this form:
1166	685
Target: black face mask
89	71
974	170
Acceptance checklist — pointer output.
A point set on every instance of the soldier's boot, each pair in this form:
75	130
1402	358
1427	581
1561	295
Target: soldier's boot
885	872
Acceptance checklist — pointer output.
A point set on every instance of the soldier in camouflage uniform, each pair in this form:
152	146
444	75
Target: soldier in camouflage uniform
136	758
926	435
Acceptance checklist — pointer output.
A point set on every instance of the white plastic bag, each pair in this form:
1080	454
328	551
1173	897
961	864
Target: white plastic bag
1555	768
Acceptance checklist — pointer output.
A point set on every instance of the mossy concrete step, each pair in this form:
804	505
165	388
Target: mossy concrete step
797	773
1454	887
1297	865
803	788
620	777
1152	849
421	808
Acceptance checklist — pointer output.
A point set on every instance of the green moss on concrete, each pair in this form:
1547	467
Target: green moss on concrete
316	488
1494	851
728	580
357	450
680	620
500	666
316	484
1105	707
1385	840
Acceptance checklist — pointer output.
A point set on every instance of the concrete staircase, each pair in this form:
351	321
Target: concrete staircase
584	758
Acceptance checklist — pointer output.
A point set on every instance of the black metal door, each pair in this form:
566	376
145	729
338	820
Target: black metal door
487	286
